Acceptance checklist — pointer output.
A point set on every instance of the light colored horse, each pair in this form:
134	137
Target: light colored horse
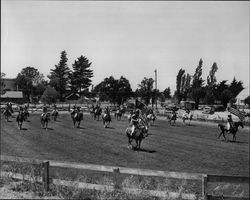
187	116
54	114
106	119
45	118
151	118
171	117
76	117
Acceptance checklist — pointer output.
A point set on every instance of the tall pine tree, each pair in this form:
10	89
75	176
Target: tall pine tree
211	84
197	91
80	77
59	75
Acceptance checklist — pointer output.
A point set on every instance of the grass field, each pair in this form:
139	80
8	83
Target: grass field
181	148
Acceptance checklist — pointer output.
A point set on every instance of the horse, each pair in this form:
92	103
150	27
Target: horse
26	114
233	130
19	119
119	113
187	117
76	117
172	117
7	113
45	118
106	119
151	118
92	111
97	113
54	114
140	133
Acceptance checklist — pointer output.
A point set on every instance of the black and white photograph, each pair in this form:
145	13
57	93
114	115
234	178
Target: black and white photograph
131	100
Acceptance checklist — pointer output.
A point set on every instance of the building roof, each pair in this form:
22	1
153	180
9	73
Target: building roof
9	83
13	94
72	95
244	93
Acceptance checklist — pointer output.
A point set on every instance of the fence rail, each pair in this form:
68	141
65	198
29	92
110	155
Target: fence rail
124	170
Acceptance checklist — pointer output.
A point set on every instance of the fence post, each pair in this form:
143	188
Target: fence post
204	186
45	166
117	179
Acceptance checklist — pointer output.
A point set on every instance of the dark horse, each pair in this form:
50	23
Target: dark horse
106	119
77	117
54	114
119	113
97	113
172	117
45	117
233	130
20	118
140	133
26	114
7	113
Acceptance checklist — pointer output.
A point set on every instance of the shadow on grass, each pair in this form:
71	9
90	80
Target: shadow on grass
144	150
80	127
51	129
108	127
236	142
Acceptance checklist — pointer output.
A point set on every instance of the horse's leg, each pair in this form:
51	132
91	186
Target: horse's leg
224	135
139	144
219	135
234	137
129	142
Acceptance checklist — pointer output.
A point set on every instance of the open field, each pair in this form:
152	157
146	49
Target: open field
181	148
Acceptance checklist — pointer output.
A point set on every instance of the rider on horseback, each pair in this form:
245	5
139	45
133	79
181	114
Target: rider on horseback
21	110
44	111
107	111
230	124
186	114
135	121
54	106
173	113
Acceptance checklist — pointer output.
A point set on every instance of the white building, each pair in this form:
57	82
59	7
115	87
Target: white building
242	96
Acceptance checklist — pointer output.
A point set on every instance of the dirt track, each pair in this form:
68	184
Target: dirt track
192	148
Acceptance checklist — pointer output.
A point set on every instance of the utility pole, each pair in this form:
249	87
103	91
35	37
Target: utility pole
155	88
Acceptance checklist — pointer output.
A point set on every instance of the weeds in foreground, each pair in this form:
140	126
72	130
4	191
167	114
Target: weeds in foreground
119	182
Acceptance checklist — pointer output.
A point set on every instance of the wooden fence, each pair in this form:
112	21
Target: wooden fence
123	170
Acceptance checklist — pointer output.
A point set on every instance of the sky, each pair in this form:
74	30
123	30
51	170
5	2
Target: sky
128	38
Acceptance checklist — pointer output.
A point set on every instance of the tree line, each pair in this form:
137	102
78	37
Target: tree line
210	91
63	80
